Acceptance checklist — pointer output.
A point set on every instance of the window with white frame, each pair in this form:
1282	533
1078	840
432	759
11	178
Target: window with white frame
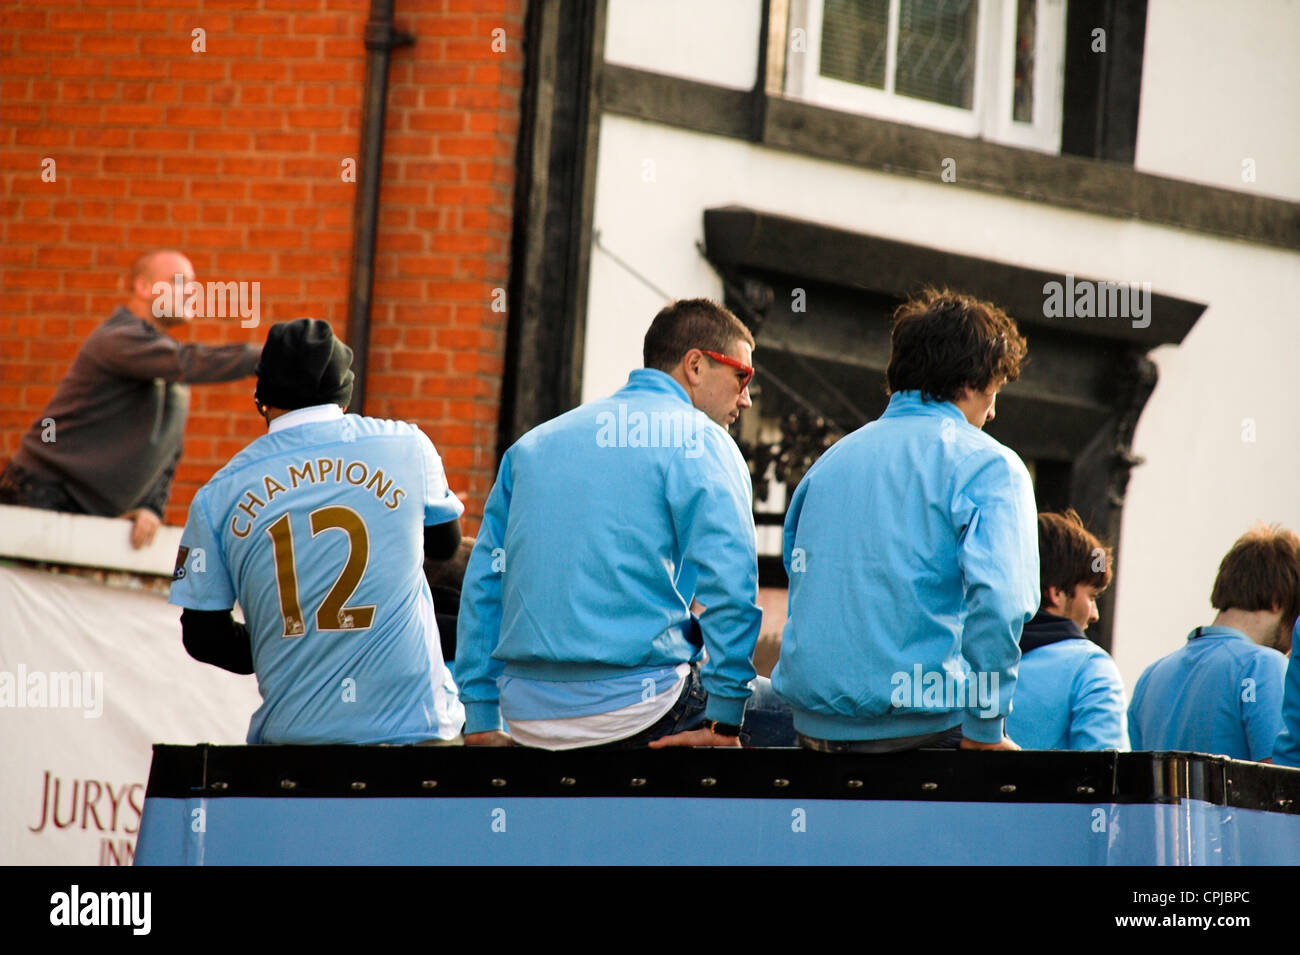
990	69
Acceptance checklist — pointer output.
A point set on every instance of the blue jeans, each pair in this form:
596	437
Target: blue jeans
20	487
946	739
769	721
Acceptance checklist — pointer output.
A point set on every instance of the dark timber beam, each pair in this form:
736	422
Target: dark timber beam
1069	182
810	251
1103	88
554	196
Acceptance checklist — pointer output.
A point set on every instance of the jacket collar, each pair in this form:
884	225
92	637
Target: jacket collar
1202	632
652	379
1047	628
308	415
904	403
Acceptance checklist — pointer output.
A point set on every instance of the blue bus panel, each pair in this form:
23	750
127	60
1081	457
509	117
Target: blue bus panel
281	805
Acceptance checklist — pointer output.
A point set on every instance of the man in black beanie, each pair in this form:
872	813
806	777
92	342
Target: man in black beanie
303	364
319	529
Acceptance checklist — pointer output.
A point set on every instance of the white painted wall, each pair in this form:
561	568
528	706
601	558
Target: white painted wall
1202	485
1221	84
714	41
1221	81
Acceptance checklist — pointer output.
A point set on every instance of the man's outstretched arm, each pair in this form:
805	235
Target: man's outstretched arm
137	350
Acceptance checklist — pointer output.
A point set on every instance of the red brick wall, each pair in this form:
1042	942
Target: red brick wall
234	156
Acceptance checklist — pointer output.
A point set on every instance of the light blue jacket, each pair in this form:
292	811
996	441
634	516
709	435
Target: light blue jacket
1069	695
1219	693
602	526
1287	750
912	551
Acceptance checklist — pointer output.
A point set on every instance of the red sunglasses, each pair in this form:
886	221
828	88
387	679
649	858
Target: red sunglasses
738	365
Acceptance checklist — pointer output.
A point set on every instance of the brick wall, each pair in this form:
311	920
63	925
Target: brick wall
234	155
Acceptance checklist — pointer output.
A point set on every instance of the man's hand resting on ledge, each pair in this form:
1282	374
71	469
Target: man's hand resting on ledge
699	737
490	738
145	524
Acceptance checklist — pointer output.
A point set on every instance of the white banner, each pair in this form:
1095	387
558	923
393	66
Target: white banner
91	677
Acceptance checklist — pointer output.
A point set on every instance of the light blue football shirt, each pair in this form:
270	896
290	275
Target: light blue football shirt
317	529
1069	695
1286	751
1219	693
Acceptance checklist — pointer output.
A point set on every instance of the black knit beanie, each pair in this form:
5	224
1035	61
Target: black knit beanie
303	364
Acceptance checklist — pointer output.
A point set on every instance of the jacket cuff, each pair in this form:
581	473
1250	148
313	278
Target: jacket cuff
482	717
980	730
726	710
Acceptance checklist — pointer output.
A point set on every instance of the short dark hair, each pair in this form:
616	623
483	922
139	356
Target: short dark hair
1261	571
1069	554
944	341
691	323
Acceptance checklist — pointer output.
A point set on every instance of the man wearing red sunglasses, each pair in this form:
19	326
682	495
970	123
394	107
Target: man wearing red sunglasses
603	527
720	391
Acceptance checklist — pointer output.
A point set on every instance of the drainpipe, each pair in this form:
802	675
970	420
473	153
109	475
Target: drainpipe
381	39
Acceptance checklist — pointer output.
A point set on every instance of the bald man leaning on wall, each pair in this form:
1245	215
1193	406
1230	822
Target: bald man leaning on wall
109	440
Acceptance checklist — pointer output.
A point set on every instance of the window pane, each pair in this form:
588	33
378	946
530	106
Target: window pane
936	51
854	37
1023	105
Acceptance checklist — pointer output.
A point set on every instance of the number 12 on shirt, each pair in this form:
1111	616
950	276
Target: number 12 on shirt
332	614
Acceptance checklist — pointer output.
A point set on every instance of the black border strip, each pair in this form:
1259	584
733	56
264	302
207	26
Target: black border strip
181	772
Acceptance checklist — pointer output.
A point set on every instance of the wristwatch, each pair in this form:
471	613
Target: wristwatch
722	729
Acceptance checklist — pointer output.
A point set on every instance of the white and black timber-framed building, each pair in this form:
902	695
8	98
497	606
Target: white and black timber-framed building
762	152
